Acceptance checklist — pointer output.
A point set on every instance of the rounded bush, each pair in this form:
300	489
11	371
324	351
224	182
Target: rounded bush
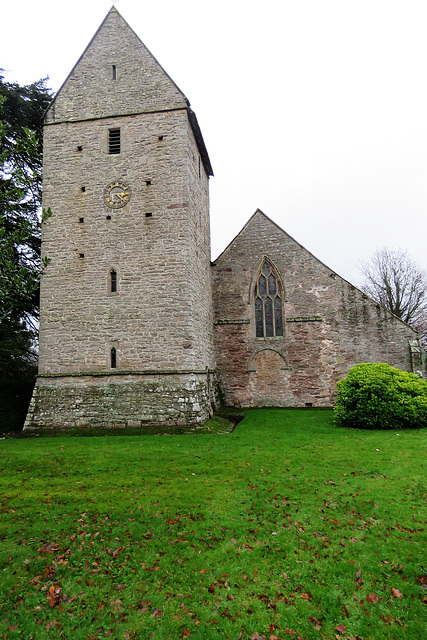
379	396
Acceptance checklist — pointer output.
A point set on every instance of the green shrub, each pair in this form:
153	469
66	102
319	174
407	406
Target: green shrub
378	396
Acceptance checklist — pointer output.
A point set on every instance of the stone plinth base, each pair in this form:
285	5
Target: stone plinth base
125	399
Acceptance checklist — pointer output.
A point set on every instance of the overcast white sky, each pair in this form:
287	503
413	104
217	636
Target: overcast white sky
315	111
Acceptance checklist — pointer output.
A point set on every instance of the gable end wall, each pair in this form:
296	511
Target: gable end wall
329	325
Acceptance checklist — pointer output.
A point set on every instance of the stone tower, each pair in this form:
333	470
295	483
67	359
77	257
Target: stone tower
126	301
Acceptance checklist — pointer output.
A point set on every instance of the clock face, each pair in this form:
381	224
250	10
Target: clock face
116	195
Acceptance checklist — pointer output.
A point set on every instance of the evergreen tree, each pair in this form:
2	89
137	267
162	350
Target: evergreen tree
21	122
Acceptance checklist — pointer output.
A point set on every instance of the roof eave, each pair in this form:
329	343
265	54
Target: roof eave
200	142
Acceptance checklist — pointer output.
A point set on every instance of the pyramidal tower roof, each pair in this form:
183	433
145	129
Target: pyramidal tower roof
116	75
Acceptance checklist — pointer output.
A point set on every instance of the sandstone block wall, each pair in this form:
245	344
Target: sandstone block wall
121	401
159	313
329	325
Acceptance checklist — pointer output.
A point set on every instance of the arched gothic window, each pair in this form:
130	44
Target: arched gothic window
268	303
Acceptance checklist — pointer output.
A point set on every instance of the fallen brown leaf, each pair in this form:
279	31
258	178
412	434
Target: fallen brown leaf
315	622
372	597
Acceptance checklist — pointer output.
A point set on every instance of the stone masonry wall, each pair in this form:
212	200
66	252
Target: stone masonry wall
329	325
120	401
158	315
199	264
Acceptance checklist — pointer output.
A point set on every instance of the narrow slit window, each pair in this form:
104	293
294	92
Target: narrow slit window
113	358
113	281
113	141
268	304
114	72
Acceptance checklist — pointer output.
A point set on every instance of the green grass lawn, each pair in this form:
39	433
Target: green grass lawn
289	527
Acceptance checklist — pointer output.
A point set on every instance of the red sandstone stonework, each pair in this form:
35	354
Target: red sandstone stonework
329	325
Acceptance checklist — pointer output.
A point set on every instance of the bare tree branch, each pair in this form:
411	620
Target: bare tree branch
395	281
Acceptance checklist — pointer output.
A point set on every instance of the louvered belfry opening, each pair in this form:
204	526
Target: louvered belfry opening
113	141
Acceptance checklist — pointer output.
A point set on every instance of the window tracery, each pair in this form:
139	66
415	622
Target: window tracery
268	303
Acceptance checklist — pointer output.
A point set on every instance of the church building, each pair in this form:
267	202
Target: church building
137	326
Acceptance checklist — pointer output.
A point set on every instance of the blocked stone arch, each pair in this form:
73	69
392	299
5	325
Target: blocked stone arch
269	378
251	365
267	307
